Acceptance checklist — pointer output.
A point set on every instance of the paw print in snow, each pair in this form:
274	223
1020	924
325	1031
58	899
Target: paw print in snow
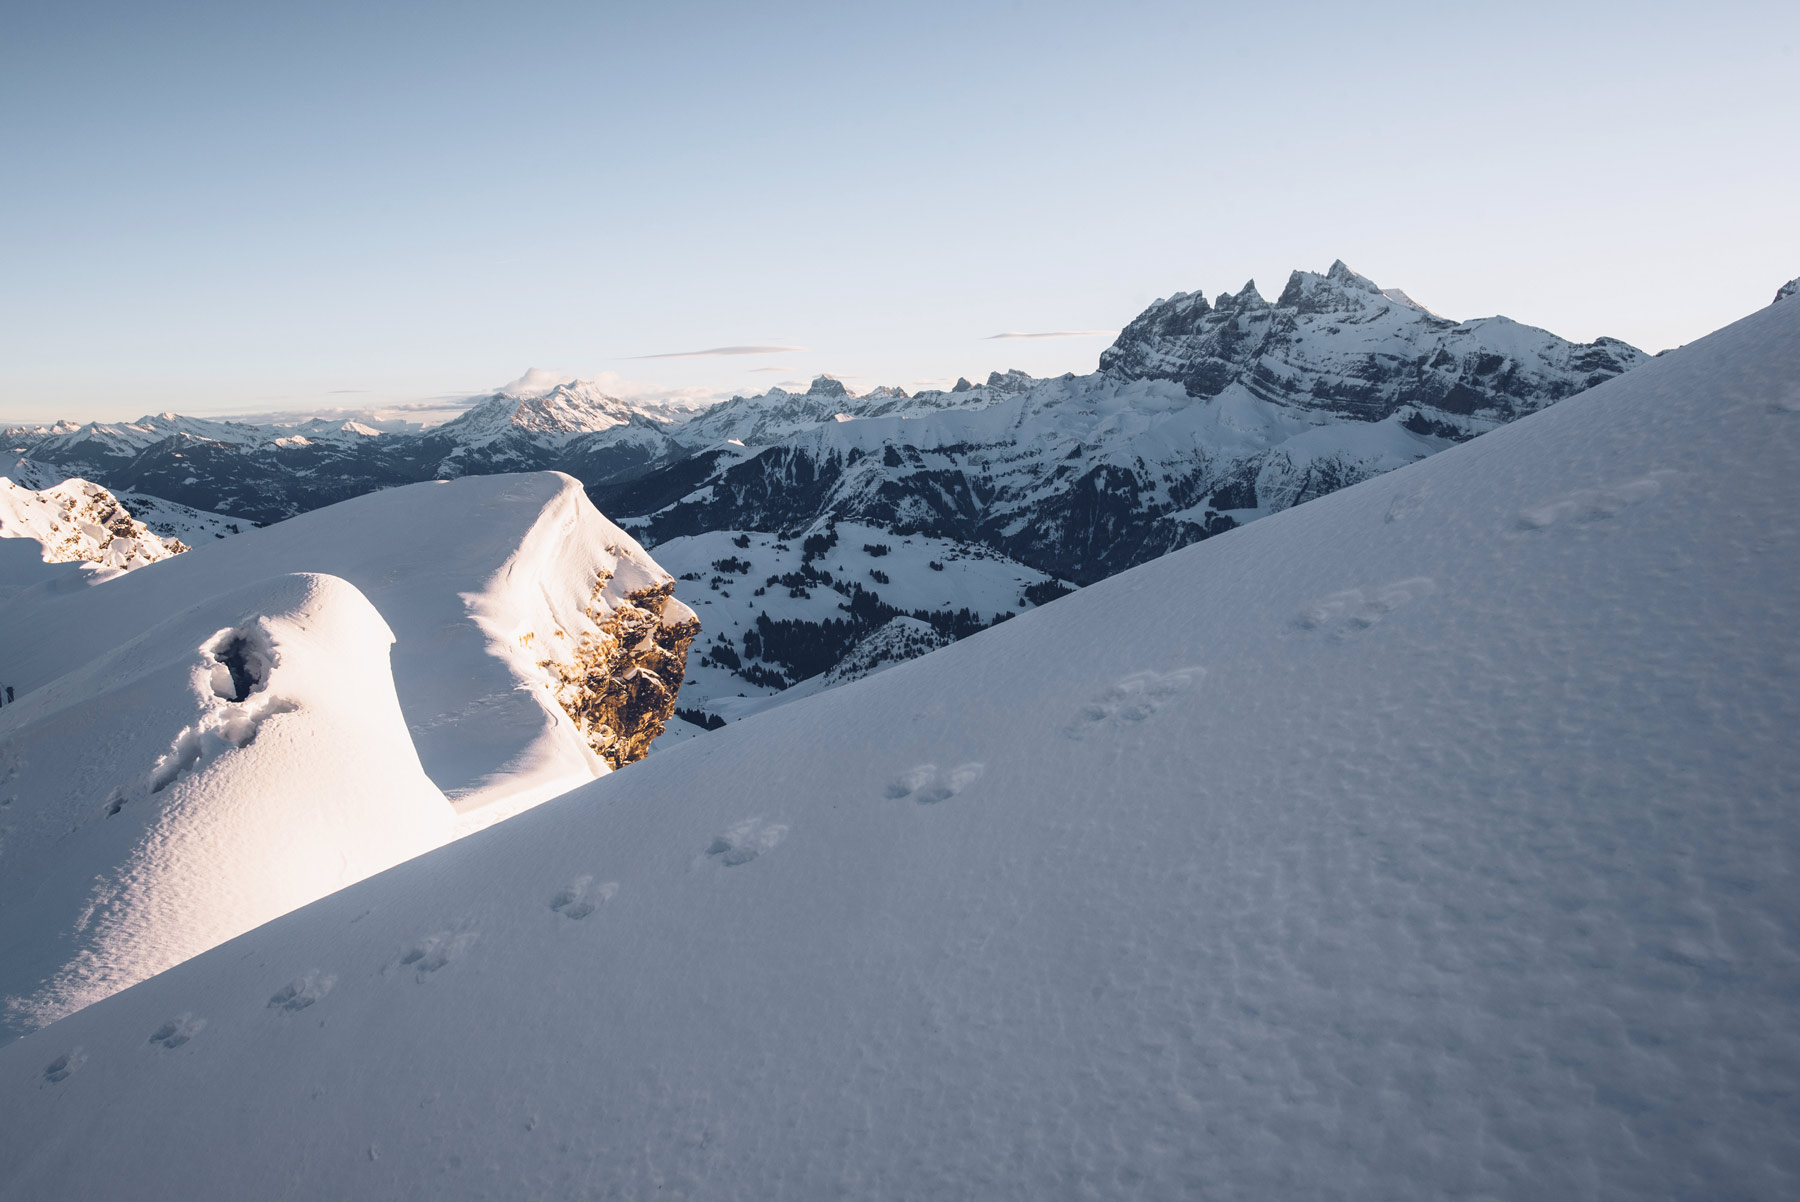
745	841
1594	504
434	951
924	784
304	991
1350	612
58	1070
1133	699
581	897
178	1030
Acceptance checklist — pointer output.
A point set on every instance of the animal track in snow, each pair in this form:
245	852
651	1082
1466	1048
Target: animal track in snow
1348	613
1134	698
1405	504
434	951
60	1068
581	897
745	841
1594	504
304	991
923	784
910	781
178	1030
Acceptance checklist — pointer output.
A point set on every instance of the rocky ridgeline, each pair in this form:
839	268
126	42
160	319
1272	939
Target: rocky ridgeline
1337	343
622	679
80	520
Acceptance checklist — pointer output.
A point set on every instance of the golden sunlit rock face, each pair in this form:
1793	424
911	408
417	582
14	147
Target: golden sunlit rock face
621	684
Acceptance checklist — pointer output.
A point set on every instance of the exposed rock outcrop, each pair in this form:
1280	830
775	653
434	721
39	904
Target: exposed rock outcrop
621	683
79	520
1340	343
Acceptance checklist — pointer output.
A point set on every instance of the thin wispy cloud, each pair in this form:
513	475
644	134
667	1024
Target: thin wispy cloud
756	369
720	351
1054	334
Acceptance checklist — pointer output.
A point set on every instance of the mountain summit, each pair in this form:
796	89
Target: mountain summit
1340	343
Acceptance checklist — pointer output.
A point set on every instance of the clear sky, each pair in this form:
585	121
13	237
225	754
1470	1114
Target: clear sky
234	208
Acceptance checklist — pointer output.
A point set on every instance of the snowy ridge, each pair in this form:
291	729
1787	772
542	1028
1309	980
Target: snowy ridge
195	749
240	759
1202	417
1433	839
164	518
79	520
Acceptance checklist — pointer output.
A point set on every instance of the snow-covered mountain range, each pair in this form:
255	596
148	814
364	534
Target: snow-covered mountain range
1202	416
1434	839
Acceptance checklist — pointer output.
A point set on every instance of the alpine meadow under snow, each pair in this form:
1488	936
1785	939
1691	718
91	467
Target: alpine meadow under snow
1432	839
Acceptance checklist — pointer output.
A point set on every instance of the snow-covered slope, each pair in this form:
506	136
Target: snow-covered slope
79	520
778	611
1435	839
484	582
242	757
167	519
196	749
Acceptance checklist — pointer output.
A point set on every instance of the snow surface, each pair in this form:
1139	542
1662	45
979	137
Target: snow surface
77	520
475	576
166	518
152	812
1434	839
147	812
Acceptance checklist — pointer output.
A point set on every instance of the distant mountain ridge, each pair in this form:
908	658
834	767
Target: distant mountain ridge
1201	416
1334	344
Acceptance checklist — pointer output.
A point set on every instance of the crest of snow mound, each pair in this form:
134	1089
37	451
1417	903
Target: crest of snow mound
1434	839
77	520
487	583
239	759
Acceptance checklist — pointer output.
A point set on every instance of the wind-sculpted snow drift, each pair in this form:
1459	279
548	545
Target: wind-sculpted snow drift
198	748
1432	840
239	759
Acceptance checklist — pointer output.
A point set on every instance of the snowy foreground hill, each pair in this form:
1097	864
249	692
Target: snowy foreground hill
204	743
1431	840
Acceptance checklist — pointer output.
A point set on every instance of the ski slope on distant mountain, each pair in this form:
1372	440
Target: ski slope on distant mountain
1431	840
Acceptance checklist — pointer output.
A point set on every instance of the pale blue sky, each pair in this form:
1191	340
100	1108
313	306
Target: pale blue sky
228	208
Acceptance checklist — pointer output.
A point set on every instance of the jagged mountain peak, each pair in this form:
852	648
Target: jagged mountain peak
1791	288
1339	288
1338	342
536	382
1247	298
827	386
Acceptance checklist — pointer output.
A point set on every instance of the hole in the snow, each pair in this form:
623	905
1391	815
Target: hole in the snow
235	656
